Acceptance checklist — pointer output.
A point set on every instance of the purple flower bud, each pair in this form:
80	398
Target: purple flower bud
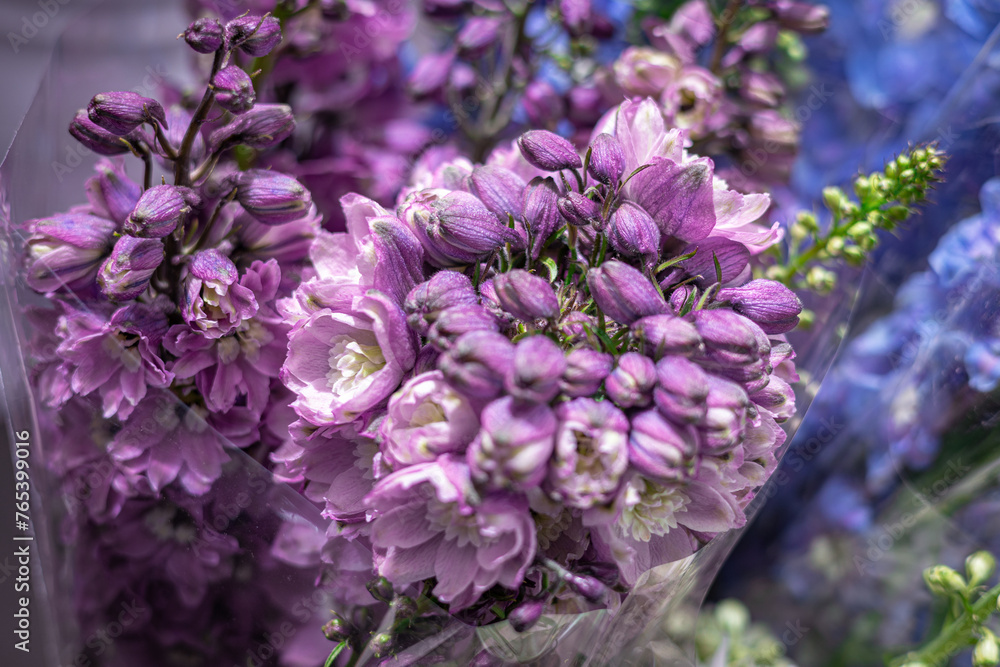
112	193
126	273
585	371
254	35
548	151
123	111
726	417
541	211
478	34
444	290
581	211
477	363
631	383
454	227
65	250
160	210
633	233
500	190
538	366
728	336
514	444
204	35
542	104
399	257
659	449
262	126
271	197
679	197
525	296
681	389
457	320
573	327
234	89
430	74
762	88
588	587
802	17
759	37
591	453
623	293
777	397
774	307
733	258
95	137
679	297
607	159
525	615
660	335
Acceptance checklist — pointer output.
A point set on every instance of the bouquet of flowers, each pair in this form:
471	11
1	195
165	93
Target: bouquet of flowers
538	378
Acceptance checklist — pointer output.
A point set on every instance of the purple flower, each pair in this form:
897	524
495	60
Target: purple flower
660	335
586	370
444	290
541	212
341	364
458	320
733	259
478	362
112	194
591	453
234	89
548	151
580	211
426	526
774	307
633	233
242	362
631	383
514	445
160	210
254	35
681	389
65	251
726	417
679	197
478	34
526	296
263	126
126	273
121	112
115	355
271	197
624	293
660	449
215	302
425	418
95	137
166	440
455	228
607	159
537	370
500	190
204	35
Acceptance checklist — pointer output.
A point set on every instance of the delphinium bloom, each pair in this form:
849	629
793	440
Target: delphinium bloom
164	323
540	375
711	78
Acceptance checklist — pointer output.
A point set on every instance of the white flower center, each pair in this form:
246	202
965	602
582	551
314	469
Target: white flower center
650	509
351	362
457	527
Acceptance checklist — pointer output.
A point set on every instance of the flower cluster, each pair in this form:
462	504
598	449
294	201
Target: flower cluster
540	377
164	324
716	77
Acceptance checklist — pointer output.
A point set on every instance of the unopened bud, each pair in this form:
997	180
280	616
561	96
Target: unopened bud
942	580
254	35
979	567
526	615
123	111
548	151
987	651
271	197
204	35
234	89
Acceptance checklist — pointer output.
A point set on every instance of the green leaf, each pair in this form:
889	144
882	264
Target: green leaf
676	260
335	653
553	268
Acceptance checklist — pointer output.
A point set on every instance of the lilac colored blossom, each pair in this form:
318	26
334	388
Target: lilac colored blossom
341	364
513	445
216	299
425	418
426	526
590	453
65	251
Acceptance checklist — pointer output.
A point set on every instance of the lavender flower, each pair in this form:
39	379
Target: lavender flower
121	112
513	445
427	527
215	300
590	454
65	251
126	273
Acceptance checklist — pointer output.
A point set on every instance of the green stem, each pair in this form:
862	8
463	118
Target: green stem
722	41
182	164
958	634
